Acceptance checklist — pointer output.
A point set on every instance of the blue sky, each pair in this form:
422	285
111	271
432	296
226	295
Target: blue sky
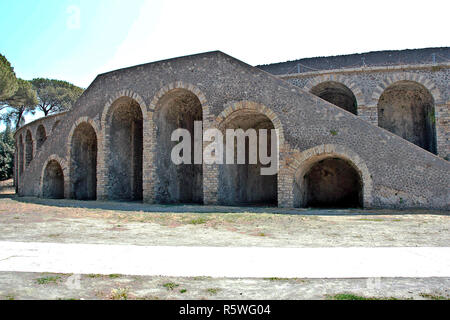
74	40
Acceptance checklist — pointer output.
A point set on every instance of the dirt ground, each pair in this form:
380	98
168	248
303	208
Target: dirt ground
68	221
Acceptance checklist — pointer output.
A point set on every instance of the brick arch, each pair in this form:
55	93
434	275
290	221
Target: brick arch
354	88
29	154
65	168
250	105
123	93
206	115
300	163
406	76
100	158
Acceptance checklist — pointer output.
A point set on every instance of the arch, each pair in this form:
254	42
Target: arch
302	163
28	148
53	178
341	80
41	136
183	183
124	149
406	76
243	184
83	146
406	108
337	94
21	156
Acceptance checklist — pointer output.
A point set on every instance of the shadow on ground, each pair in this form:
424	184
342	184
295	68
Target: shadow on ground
194	208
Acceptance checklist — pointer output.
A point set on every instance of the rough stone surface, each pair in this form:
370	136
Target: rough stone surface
394	172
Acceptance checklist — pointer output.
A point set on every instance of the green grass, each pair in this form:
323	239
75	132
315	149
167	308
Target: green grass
114	276
170	285
183	291
119	294
47	280
350	296
198	221
433	297
333	132
213	291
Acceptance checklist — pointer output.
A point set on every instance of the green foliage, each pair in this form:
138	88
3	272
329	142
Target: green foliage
22	102
8	80
333	132
6	153
55	95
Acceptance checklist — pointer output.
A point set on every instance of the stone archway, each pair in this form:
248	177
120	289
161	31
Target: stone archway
330	182
243	184
28	148
41	136
183	183
124	129
337	94
83	162
406	108
53	180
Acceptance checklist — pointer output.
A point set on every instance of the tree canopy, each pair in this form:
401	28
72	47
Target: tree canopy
22	102
8	80
55	95
6	153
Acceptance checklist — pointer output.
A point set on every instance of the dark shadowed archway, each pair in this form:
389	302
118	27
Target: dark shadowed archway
243	184
28	148
41	136
83	163
328	182
53	181
125	150
406	108
337	94
182	183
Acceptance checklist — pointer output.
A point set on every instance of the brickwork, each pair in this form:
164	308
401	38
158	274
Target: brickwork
394	172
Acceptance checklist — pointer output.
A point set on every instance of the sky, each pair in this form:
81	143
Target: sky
74	40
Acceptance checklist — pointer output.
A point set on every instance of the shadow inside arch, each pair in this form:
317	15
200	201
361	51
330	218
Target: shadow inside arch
198	208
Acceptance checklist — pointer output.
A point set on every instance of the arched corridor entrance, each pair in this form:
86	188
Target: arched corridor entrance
53	181
337	94
83	163
182	183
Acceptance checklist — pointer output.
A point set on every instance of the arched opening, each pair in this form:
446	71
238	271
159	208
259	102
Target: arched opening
28	148
337	94
41	136
125	150
53	181
182	183
328	183
243	184
83	163
406	108
21	156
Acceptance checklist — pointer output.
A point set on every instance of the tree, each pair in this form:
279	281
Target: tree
22	102
55	95
8	80
6	153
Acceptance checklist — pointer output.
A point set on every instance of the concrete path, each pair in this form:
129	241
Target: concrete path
240	262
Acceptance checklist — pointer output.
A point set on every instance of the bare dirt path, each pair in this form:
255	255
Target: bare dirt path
69	221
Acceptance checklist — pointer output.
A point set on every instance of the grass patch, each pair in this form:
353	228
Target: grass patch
119	294
183	291
433	297
92	275
114	276
213	291
198	221
350	296
333	132
170	285
276	279
47	280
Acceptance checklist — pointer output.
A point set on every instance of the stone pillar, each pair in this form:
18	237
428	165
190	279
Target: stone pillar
368	113
442	117
285	188
148	161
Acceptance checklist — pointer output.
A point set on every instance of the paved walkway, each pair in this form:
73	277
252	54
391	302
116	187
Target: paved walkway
230	262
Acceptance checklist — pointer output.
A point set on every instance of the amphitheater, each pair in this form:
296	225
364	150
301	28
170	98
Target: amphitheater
364	130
